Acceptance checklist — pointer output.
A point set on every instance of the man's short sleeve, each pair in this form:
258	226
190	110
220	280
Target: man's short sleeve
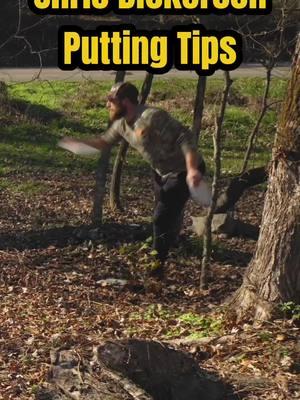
112	134
186	140
168	128
151	118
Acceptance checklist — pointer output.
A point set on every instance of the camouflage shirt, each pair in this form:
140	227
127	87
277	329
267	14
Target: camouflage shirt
160	139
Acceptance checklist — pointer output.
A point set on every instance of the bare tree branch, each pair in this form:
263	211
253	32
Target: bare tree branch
264	108
215	185
270	56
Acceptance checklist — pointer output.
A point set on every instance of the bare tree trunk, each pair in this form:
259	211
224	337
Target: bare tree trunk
217	172
273	275
146	88
264	107
115	184
199	106
115	201
101	176
101	173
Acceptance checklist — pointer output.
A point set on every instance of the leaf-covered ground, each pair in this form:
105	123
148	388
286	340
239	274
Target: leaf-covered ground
66	284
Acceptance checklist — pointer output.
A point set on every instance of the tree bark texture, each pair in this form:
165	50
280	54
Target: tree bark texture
273	275
115	184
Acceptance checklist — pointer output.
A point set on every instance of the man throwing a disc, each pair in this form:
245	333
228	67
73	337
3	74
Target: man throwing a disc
169	148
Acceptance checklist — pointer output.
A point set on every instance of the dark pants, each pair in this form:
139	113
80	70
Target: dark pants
171	194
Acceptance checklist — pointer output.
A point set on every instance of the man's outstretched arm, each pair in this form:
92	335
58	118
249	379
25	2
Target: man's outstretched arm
106	139
97	143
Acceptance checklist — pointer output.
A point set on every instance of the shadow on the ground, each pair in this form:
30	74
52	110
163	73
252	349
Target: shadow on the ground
220	254
235	258
107	233
36	112
33	131
42	114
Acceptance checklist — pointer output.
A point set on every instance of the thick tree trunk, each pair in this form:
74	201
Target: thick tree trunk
273	275
115	186
101	174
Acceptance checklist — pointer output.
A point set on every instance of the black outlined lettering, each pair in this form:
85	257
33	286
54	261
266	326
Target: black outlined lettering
124	48
151	7
188	7
205	51
118	48
70	7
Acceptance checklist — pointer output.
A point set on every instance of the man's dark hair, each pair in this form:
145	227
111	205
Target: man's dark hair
124	90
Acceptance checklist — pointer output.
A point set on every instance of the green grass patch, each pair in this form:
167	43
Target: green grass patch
38	114
190	325
166	89
28	188
49	94
254	87
5	184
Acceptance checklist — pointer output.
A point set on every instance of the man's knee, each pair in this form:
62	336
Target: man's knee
161	216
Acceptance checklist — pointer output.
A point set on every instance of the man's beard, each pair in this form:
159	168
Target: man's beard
117	114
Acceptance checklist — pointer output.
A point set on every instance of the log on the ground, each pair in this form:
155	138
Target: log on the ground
71	377
237	186
224	223
130	370
165	373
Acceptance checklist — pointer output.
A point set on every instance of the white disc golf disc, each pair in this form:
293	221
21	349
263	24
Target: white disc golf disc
201	194
79	148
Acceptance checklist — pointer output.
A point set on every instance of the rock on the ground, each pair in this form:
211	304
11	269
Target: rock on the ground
224	223
165	373
129	370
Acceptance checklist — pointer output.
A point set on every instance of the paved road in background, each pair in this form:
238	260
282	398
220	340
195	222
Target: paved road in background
55	74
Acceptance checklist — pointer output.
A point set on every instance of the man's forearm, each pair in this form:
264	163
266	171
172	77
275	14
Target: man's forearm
193	176
97	143
191	160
